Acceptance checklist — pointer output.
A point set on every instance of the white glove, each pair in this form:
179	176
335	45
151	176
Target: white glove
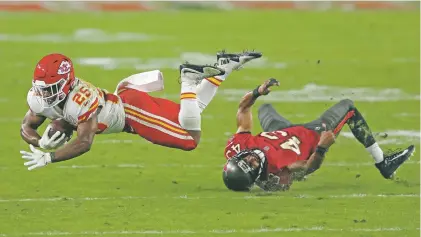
36	158
51	143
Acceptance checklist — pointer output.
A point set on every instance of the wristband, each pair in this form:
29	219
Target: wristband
52	157
321	150
256	93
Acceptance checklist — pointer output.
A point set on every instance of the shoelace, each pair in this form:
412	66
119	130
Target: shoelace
391	154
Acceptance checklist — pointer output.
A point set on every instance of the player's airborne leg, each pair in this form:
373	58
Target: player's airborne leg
169	124
344	112
189	115
228	62
164	122
194	99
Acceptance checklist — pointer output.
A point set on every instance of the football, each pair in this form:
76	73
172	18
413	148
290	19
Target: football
63	127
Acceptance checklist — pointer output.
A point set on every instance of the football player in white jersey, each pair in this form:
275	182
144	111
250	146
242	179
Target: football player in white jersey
58	94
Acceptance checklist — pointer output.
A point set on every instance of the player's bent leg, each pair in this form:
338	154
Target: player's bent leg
156	120
345	112
386	164
337	116
190	118
190	112
270	120
228	62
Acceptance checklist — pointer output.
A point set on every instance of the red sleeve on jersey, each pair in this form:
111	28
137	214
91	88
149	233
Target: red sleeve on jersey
111	97
88	113
236	143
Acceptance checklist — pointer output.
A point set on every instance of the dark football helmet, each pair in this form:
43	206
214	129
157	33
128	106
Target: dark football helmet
238	175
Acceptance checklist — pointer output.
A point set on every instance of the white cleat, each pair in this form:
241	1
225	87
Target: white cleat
234	61
196	73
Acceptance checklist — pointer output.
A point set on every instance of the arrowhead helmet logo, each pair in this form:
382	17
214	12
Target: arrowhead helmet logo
40	68
64	68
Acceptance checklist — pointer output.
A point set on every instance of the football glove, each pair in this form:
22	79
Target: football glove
299	175
36	158
52	142
272	184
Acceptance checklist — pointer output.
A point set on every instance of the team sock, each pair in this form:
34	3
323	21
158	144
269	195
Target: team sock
376	152
363	134
189	115
207	90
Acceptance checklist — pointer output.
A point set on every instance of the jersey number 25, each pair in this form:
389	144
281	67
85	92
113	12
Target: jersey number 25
81	95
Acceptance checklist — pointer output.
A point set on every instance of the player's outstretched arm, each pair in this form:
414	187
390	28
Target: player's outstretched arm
85	137
244	115
83	142
28	130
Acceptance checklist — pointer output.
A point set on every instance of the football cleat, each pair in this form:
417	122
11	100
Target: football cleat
235	61
393	161
196	73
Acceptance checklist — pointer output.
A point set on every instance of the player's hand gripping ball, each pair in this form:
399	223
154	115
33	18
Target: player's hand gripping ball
58	132
60	125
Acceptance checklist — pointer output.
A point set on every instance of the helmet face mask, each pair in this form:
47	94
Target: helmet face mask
51	94
239	174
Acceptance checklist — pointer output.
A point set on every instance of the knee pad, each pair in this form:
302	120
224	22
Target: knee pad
189	117
190	123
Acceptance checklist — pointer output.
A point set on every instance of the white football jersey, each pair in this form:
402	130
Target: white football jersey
82	102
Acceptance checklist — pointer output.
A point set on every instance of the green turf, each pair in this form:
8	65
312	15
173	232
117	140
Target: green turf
182	191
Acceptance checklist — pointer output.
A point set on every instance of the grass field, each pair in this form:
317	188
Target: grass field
126	186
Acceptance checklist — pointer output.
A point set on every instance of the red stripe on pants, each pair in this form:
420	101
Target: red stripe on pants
343	121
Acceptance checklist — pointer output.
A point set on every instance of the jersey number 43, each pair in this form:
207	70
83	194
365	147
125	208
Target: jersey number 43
293	143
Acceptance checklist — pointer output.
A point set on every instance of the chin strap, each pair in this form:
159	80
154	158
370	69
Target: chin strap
262	158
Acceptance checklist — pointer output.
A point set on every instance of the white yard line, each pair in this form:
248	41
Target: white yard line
112	63
311	93
186	197
11	120
406	115
84	35
215	231
392	133
4	100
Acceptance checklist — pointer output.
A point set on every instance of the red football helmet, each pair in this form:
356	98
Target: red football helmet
53	77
